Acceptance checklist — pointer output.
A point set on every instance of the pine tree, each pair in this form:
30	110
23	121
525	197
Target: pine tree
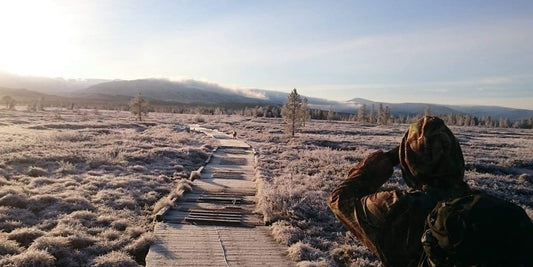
386	115
372	117
427	111
294	112
306	115
139	106
380	113
9	102
331	114
361	114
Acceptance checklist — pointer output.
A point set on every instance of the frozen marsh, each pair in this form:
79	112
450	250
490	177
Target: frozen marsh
81	188
296	177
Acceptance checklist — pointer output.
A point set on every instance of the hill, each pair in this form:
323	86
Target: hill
479	111
192	92
22	95
45	85
188	91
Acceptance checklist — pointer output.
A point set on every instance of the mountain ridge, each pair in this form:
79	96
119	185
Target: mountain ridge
200	92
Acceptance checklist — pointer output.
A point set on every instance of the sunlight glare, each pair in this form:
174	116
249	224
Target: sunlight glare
36	38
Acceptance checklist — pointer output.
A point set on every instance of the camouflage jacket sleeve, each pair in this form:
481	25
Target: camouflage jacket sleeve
356	202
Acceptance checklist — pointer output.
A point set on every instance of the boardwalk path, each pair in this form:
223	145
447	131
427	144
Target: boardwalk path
214	225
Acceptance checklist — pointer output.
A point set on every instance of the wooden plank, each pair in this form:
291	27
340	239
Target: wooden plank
185	206
202	245
215	224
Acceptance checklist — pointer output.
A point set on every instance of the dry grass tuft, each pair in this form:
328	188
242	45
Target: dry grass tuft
111	234
10	225
3	180
182	187
112	259
25	236
14	200
139	168
135	232
36	171
317	263
285	233
160	204
8	247
66	167
80	240
32	258
301	251
120	224
525	178
139	248
58	247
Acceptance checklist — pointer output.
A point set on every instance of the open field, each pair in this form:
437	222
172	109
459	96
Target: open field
80	188
296	177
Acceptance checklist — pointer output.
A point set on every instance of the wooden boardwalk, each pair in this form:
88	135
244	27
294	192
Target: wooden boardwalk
214	225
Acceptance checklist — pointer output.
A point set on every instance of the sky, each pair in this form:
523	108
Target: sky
447	52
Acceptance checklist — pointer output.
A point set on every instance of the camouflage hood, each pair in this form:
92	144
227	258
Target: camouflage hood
431	155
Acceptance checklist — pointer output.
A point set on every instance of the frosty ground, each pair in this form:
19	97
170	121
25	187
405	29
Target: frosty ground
297	175
81	187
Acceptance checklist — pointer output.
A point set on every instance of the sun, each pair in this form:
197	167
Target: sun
36	38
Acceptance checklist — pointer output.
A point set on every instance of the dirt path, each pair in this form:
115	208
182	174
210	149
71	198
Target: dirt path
214	225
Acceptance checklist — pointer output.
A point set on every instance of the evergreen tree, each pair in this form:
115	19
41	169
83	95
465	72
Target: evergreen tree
386	115
380	113
361	114
139	106
331	114
294	112
9	102
372	117
306	115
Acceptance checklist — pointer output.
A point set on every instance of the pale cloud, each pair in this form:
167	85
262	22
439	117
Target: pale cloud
496	80
278	48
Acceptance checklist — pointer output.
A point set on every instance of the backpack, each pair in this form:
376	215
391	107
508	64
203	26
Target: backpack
477	230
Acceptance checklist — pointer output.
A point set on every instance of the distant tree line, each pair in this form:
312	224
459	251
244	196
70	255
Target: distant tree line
9	102
373	114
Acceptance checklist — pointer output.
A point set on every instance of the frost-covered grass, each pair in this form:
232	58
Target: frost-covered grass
295	177
81	189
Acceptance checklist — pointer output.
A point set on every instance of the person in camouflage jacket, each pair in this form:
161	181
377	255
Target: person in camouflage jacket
390	223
